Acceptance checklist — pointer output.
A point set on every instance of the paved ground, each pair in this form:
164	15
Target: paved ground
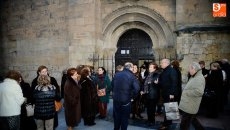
220	123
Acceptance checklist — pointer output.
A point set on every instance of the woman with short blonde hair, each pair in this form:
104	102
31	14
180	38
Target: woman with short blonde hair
44	96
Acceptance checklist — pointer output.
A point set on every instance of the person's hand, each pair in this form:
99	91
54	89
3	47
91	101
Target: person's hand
171	96
141	92
25	101
156	81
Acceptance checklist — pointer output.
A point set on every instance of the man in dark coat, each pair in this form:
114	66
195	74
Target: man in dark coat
168	83
125	87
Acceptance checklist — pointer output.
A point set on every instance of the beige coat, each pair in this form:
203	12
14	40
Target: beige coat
192	94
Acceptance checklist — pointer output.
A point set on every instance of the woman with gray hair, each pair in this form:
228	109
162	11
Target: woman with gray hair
191	98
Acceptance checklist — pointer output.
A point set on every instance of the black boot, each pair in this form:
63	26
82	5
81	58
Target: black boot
91	121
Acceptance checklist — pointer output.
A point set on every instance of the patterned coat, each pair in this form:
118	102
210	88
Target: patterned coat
44	102
192	94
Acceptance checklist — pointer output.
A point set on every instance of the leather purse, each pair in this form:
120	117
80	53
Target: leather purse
101	92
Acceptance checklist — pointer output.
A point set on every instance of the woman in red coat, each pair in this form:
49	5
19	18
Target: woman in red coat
72	99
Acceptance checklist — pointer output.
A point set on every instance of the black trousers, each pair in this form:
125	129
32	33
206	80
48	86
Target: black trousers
10	123
151	109
190	118
56	120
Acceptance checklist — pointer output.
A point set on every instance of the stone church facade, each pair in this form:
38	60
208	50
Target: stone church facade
67	33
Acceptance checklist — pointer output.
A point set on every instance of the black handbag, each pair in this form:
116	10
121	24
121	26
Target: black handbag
209	94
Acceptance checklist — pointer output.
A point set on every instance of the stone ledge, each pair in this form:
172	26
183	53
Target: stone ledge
204	28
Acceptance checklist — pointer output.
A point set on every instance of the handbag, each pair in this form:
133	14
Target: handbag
172	111
101	92
58	105
30	110
209	94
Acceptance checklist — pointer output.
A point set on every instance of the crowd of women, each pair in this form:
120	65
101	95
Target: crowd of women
87	94
78	88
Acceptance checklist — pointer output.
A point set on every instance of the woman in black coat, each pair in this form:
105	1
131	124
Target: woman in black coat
89	97
214	83
26	123
151	90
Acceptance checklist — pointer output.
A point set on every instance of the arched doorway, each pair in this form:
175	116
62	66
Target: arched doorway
134	46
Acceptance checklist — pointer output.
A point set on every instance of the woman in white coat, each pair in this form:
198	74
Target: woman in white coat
11	99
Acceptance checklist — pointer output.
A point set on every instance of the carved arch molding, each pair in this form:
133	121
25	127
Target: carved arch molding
139	17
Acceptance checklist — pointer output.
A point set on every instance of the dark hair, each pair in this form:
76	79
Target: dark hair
175	64
40	68
85	72
202	62
13	74
102	69
71	71
79	68
155	65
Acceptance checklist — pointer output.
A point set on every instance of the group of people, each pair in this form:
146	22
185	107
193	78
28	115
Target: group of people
81	95
159	85
16	95
216	89
86	94
128	86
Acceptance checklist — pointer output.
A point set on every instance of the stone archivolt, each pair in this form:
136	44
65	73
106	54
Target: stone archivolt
140	17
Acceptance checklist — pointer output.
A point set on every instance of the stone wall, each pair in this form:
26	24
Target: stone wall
208	46
34	33
200	35
198	13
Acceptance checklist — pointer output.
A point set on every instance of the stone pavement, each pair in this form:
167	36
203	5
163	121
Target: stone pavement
220	123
